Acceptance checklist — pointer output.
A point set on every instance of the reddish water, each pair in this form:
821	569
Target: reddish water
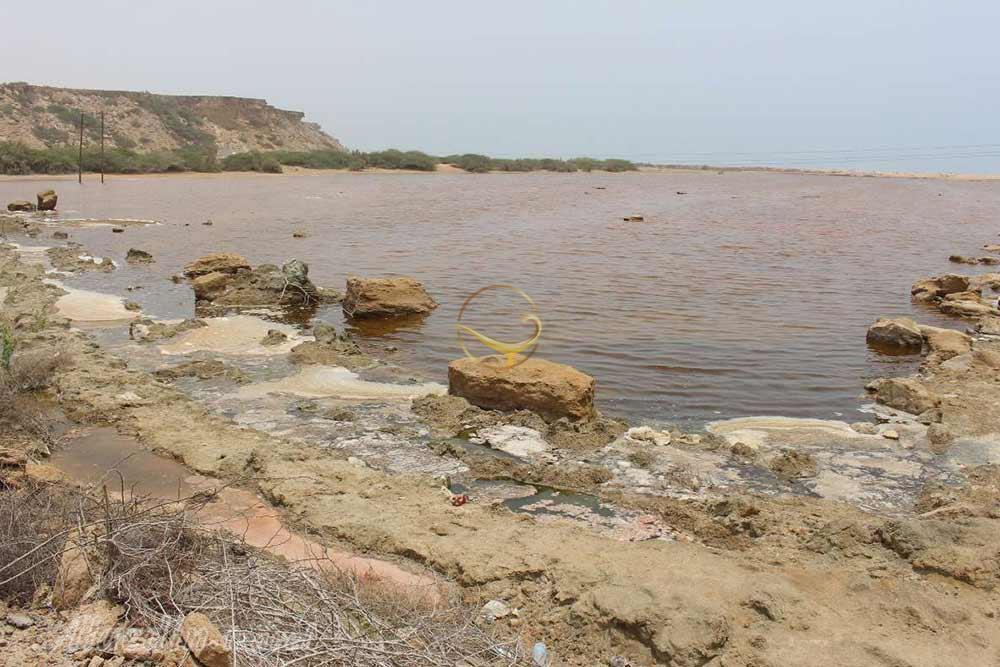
749	295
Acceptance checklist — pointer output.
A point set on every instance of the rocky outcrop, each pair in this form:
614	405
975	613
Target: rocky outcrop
937	287
74	257
265	285
896	336
386	297
551	390
989	325
217	262
47	200
203	369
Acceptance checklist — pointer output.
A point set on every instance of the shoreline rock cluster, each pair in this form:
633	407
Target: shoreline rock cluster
747	577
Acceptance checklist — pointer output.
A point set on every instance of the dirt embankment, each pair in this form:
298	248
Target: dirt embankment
44	116
761	581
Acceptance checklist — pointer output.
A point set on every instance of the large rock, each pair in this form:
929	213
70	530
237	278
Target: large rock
548	389
266	285
906	394
205	641
937	287
386	297
897	336
21	205
90	626
946	343
222	262
47	200
208	286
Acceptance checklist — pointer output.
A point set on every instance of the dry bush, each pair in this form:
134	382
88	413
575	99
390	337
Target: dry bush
34	524
160	564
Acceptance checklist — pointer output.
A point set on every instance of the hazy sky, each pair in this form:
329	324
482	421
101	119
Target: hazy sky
911	84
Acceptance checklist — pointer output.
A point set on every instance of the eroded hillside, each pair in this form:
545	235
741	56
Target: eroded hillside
47	117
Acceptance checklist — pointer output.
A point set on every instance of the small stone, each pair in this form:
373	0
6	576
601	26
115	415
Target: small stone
205	641
890	434
865	428
60	235
207	223
495	609
117	230
133	306
274	337
20	621
939	438
297	234
648	435
633	218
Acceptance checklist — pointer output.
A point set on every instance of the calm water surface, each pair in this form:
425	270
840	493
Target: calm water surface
749	294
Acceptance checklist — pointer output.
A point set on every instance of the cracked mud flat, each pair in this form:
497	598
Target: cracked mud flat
725	573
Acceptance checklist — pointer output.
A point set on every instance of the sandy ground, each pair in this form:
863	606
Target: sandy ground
749	579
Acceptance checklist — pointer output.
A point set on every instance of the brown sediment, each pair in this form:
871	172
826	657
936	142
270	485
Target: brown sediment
762	580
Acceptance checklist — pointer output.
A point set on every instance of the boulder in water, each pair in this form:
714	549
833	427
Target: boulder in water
900	335
550	390
47	200
386	297
962	259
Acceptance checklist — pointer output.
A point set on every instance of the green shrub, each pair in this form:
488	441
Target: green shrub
252	161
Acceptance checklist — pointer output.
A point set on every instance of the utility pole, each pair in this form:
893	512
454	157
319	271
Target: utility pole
102	147
79	173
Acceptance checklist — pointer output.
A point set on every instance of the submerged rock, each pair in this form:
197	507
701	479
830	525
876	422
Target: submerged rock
21	205
899	336
548	389
203	369
136	256
274	337
47	200
74	257
147	330
386	297
962	259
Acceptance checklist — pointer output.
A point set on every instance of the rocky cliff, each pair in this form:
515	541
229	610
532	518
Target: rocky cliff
43	116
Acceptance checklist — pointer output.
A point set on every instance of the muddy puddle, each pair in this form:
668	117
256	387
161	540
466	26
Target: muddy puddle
101	457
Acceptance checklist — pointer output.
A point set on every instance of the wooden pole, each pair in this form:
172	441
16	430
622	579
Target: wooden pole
79	173
102	147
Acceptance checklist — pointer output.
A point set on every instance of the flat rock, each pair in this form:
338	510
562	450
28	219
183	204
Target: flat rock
546	388
386	297
91	625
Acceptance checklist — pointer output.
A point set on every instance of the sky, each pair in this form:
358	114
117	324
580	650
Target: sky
865	84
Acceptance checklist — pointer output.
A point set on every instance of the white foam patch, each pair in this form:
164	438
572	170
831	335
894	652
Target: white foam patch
32	254
85	306
239	335
337	382
517	440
